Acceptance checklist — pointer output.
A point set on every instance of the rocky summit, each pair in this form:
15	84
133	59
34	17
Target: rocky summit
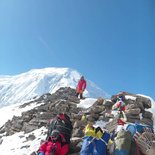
64	100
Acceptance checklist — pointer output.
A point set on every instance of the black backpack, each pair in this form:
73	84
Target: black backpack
61	124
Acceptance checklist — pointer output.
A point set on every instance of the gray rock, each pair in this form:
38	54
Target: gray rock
146	121
135	111
108	103
131	106
147	114
100	101
34	153
26	146
77	132
145	101
31	137
1	141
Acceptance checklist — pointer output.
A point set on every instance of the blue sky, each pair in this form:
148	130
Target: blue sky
111	42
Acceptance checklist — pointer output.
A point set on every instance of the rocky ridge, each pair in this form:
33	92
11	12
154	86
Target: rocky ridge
64	100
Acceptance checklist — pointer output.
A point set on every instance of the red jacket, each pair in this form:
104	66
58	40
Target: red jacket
48	146
81	86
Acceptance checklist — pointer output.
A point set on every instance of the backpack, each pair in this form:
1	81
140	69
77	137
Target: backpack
95	146
95	141
134	149
61	124
122	142
133	128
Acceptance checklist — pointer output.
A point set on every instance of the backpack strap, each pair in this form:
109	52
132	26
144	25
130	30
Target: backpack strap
53	150
104	141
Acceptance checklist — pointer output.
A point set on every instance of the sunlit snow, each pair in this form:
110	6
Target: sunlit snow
25	86
88	102
8	112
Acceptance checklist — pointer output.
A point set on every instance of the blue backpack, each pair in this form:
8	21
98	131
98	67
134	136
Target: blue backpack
122	143
95	146
133	128
87	146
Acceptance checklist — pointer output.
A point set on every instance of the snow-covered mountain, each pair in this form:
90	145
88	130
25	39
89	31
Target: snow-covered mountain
25	86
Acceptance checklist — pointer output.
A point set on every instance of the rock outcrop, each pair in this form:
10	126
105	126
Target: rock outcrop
64	100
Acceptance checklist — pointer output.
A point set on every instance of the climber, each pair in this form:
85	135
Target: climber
81	86
54	147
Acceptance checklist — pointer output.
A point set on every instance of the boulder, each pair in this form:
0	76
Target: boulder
108	103
145	101
147	114
146	121
100	101
131	106
135	111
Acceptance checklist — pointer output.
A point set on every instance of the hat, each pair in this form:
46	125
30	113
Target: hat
82	77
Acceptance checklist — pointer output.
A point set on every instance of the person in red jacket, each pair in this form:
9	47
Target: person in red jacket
81	86
50	147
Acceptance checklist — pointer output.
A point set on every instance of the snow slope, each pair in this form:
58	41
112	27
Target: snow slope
25	86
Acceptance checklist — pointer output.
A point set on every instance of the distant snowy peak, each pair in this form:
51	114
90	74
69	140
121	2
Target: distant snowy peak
25	86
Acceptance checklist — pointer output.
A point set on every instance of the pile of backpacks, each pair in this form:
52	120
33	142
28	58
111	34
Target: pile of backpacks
134	139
